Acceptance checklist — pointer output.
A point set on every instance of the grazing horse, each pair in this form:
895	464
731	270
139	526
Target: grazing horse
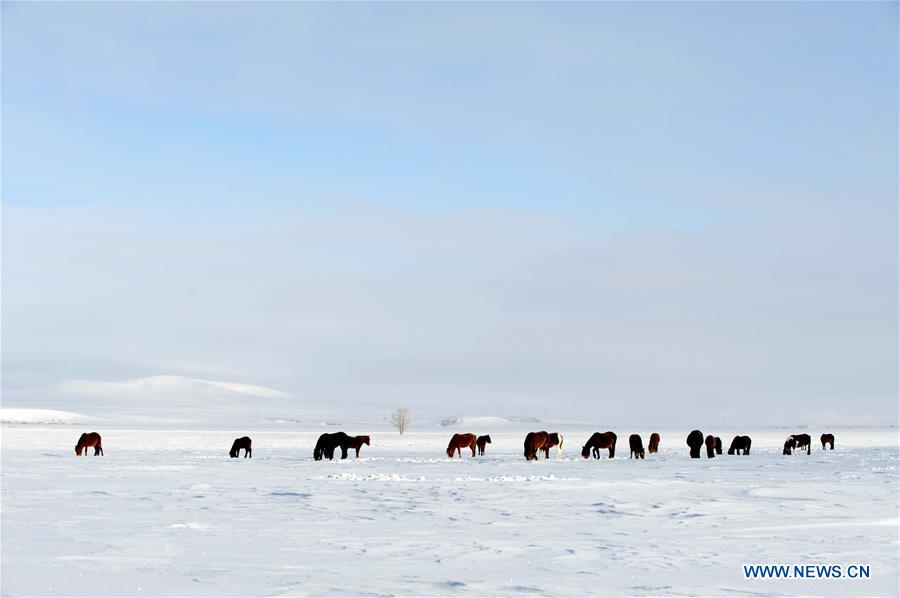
637	446
827	439
554	439
481	441
535	442
597	441
356	443
653	446
241	443
328	442
459	442
695	441
710	446
739	445
89	440
802	440
789	445
718	445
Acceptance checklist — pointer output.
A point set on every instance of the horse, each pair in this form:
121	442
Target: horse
789	445
481	441
803	440
637	446
328	442
534	442
653	446
710	446
695	441
356	443
827	439
459	442
597	441
89	440
718	445
241	443
554	439
739	444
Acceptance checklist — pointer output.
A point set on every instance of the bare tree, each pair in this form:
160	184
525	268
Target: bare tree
400	419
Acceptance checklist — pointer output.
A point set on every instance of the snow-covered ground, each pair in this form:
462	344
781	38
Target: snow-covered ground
166	512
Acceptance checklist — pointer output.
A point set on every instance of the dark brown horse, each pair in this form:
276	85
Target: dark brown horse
459	442
653	446
241	443
481	441
740	445
89	440
803	440
695	441
789	445
710	446
637	446
553	439
328	442
356	443
718	445
534	442
597	441
827	439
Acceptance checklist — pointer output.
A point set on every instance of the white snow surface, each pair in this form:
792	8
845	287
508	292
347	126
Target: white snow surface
166	512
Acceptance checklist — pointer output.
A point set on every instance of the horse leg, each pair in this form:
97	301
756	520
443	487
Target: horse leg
473	450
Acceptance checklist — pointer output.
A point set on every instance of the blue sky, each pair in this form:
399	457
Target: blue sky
506	204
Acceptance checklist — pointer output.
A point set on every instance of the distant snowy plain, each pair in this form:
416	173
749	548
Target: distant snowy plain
166	512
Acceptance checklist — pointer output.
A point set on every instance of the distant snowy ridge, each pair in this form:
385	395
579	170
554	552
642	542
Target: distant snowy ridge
164	385
483	420
42	416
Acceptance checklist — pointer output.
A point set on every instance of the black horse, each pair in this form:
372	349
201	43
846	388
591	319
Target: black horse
243	442
827	439
637	446
481	441
328	442
695	441
740	445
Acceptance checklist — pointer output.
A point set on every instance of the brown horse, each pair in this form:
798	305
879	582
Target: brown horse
534	442
710	446
481	441
653	446
827	439
597	441
459	442
553	439
739	445
637	446
241	443
89	440
695	441
718	445
356	443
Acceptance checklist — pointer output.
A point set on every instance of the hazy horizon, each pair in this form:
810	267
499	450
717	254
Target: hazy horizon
661	212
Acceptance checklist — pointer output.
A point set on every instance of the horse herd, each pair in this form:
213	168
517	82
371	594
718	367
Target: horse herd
535	444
